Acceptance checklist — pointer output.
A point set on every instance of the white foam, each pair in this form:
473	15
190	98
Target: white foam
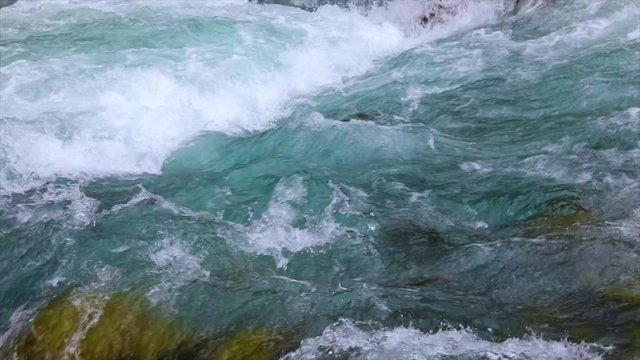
585	29
474	166
630	228
409	343
55	280
574	161
78	211
175	261
17	321
275	233
628	120
87	114
68	116
158	200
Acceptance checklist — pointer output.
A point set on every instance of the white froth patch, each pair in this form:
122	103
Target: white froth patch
574	161
157	200
78	210
590	30
474	166
78	115
630	228
55	280
176	257
178	266
90	114
407	343
17	321
628	120
275	233
561	164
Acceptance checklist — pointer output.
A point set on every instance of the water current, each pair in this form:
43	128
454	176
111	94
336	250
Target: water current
225	179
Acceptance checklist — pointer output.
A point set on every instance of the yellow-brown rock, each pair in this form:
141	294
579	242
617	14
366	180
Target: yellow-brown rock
548	224
128	329
257	344
122	327
52	331
126	326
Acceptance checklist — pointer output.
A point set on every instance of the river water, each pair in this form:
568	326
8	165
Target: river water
374	188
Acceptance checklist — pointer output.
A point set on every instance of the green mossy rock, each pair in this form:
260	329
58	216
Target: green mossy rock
257	344
538	317
128	329
123	327
52	330
549	224
584	334
632	351
627	297
565	221
626	294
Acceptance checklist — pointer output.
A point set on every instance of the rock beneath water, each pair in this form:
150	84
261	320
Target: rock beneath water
358	116
627	293
257	344
633	350
411	237
539	317
121	327
52	331
438	11
559	216
626	296
127	326
551	223
129	329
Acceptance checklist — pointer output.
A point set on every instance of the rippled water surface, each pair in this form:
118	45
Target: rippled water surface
335	184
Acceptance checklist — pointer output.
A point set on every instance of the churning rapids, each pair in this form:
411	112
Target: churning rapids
225	179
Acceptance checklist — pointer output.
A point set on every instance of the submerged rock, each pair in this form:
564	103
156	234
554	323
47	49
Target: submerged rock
626	298
627	293
559	324
539	317
258	344
412	238
559	216
358	116
122	327
633	350
52	331
126	326
548	223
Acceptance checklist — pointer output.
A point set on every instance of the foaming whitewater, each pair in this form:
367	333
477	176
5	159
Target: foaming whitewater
85	112
93	119
276	232
177	265
346	339
320	179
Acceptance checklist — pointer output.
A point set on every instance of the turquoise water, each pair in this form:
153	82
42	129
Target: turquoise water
466	190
